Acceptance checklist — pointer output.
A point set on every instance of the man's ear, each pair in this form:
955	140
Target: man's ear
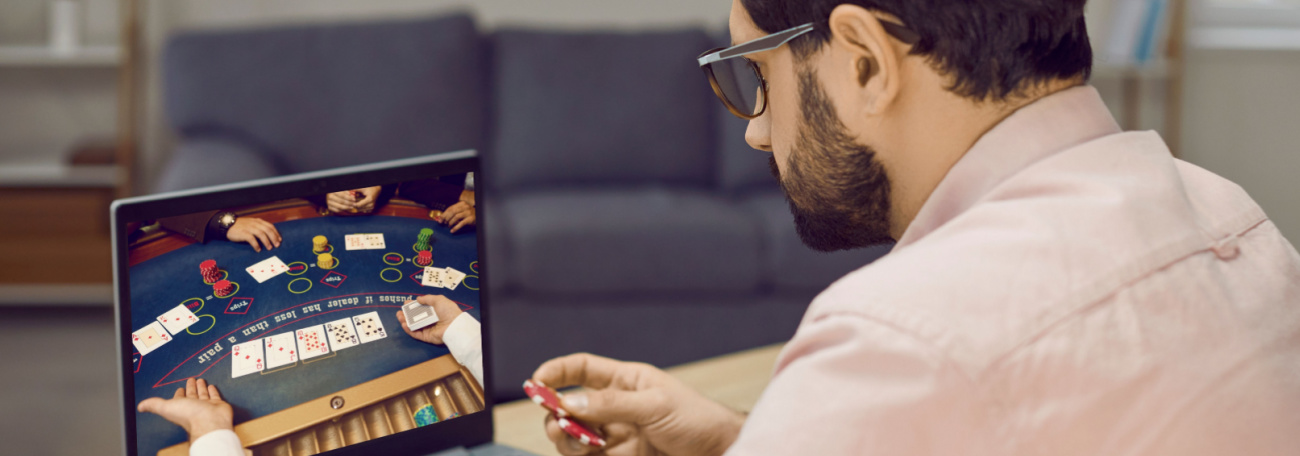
867	49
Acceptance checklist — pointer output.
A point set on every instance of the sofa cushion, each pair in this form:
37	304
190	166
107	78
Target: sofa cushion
203	162
323	96
788	263
631	241
581	108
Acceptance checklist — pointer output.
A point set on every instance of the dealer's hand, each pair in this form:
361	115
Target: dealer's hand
640	409
458	216
254	230
447	311
197	408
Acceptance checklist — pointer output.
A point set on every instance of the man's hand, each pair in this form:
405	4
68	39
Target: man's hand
458	216
366	204
447	311
197	408
252	231
348	202
641	410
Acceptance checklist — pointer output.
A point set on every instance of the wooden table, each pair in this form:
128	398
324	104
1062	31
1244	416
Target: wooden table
735	380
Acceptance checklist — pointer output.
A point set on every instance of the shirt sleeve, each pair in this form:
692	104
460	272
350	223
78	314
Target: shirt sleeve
846	384
194	226
222	442
465	340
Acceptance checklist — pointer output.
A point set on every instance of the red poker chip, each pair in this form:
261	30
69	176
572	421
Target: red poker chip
581	433
544	396
208	265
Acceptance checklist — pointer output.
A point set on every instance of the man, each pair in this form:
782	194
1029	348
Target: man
1058	286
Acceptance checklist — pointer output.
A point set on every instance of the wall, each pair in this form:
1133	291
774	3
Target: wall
1243	122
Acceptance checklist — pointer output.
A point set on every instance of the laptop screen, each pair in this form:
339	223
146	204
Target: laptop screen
328	310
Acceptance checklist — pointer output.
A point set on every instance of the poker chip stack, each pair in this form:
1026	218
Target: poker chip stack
424	258
209	270
422	242
319	244
223	288
325	261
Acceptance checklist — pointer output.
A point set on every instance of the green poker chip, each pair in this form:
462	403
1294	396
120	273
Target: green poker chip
424	416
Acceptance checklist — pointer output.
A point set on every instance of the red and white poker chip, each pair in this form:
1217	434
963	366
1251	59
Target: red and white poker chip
550	399
582	433
545	397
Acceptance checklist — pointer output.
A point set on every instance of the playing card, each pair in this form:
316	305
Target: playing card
267	269
370	241
341	334
246	358
369	328
280	350
149	338
418	315
177	319
451	278
311	342
432	277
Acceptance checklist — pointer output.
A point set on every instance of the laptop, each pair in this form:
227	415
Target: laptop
290	295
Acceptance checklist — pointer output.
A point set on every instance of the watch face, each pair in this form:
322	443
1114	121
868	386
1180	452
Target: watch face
227	220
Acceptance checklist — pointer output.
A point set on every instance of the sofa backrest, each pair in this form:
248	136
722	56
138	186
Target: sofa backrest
600	108
322	96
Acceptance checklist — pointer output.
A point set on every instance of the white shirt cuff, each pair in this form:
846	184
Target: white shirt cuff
464	337
221	442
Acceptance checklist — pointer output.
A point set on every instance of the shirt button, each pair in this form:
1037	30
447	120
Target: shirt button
1226	249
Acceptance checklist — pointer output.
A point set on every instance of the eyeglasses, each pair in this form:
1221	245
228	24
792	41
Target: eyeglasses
739	83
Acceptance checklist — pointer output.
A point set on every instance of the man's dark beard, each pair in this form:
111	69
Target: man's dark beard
838	192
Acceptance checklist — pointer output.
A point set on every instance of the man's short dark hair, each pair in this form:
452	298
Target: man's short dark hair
991	48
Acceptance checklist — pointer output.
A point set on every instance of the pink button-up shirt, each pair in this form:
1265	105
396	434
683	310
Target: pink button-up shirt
1068	289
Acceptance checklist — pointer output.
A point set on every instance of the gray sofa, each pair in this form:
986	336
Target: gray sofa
628	217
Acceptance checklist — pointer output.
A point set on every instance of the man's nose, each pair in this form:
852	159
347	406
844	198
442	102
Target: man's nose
759	132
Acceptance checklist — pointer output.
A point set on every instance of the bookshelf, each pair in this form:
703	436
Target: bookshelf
60	251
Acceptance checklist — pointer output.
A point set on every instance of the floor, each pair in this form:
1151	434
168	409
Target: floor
58	382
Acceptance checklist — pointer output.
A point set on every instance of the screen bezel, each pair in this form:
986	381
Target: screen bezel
466	431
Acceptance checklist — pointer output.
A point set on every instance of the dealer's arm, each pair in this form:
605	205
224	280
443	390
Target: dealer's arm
458	330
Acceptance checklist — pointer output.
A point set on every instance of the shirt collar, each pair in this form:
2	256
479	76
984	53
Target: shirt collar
1036	131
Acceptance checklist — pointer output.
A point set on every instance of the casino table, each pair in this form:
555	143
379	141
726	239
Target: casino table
164	273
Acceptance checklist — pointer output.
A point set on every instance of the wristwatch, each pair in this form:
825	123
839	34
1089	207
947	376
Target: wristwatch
223	221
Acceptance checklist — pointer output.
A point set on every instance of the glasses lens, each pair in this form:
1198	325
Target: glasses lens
738	80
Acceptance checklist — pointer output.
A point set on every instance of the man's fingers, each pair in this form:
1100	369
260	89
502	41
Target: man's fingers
180	392
271	232
252	240
191	388
429	300
579	369
201	389
564	443
463	222
457	217
615	406
260	233
151	405
213	393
